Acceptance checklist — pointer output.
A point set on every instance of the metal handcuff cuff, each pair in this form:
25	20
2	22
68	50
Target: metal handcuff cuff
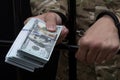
111	14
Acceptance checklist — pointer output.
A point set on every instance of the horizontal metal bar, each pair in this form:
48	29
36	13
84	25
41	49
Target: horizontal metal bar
6	41
72	47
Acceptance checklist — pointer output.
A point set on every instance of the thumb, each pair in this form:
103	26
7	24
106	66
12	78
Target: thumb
52	19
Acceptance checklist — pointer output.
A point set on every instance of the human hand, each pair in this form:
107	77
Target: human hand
52	19
99	43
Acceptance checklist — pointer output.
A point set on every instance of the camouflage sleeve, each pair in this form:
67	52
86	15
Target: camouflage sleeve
42	6
110	5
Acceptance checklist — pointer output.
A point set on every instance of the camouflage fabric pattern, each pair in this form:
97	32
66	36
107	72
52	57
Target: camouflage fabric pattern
42	6
87	10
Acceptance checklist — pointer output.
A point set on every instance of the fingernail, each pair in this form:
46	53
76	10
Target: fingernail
51	28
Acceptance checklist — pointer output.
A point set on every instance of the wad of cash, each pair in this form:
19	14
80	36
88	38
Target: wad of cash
33	46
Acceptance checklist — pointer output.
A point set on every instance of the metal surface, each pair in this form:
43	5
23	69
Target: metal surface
72	38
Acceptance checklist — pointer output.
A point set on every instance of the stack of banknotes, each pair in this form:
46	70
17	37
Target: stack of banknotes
33	46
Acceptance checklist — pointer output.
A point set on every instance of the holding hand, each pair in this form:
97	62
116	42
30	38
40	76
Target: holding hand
100	42
52	19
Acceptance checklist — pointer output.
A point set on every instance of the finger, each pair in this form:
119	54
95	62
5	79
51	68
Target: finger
103	54
82	52
63	34
101	57
107	52
92	54
51	21
111	55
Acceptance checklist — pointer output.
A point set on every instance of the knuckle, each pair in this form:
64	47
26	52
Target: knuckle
65	29
115	47
111	46
84	41
95	45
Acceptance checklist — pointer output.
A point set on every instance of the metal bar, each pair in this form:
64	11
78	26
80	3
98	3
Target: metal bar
71	37
72	47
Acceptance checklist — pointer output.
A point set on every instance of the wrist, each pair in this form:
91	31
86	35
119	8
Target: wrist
62	17
110	18
58	18
108	21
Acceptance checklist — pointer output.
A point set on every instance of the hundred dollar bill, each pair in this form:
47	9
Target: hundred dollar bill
13	56
40	42
33	46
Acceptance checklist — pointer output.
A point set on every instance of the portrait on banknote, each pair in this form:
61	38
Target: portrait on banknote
40	41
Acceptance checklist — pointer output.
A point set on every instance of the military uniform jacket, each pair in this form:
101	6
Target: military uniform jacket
86	12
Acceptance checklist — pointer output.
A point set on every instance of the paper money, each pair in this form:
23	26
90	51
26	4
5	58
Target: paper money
40	42
33	46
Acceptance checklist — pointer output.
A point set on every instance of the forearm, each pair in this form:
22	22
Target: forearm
43	6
